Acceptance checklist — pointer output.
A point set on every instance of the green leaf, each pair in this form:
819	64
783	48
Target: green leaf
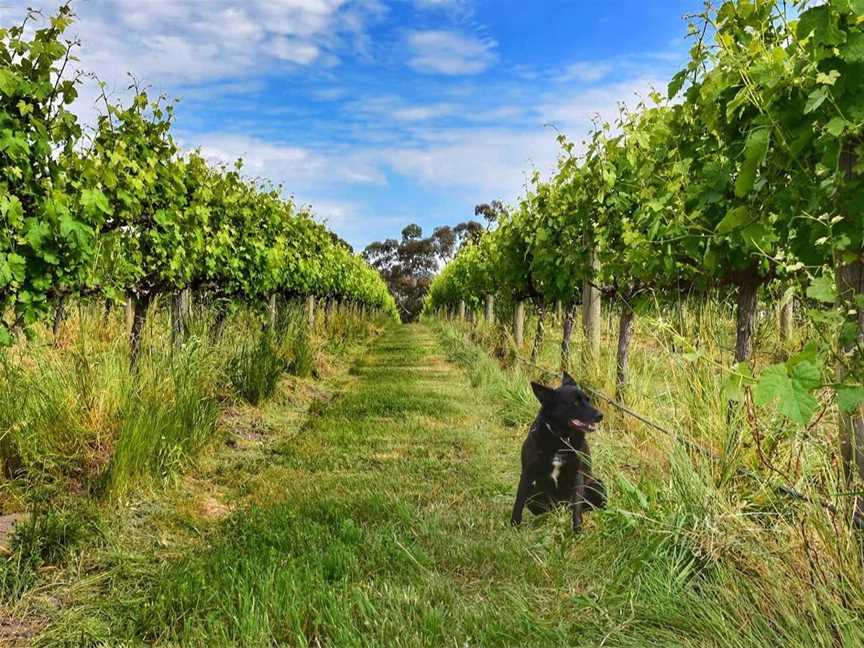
9	82
741	377
758	235
93	200
820	22
828	79
808	374
677	83
734	219
853	50
823	289
37	231
792	396
755	150
815	99
17	266
837	126
5	336
850	398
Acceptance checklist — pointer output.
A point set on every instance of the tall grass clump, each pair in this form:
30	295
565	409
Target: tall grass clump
297	342
254	371
167	417
59	408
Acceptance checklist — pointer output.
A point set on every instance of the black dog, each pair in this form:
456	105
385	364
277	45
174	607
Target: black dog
556	461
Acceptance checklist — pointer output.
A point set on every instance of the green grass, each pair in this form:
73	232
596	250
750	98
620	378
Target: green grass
256	368
377	515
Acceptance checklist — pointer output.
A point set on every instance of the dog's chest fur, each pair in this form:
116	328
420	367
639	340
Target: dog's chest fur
552	462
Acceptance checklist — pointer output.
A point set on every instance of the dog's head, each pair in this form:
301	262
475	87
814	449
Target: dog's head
567	409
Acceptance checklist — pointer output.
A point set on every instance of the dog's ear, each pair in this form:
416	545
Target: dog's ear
568	380
542	392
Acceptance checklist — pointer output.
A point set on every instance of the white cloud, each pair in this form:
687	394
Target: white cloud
450	53
385	109
171	42
573	111
586	71
423	113
299	169
481	163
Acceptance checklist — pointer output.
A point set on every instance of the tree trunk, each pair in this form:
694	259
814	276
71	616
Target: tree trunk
539	333
59	317
569	319
850	295
519	323
559	312
625	335
748	290
787	316
461	310
106	312
142	305
490	309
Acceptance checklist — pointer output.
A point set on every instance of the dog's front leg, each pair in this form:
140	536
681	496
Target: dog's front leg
521	496
578	500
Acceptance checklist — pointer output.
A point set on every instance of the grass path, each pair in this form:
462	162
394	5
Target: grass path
381	522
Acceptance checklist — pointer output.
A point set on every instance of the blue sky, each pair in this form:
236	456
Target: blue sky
380	113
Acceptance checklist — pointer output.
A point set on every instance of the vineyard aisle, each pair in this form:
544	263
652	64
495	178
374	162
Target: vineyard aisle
382	521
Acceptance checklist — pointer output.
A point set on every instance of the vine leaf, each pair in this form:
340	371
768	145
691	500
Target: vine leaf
734	219
822	289
853	50
755	149
791	390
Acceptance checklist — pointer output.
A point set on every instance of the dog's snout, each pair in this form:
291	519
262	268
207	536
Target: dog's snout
599	416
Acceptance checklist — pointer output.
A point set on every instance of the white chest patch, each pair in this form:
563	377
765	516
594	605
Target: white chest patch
557	463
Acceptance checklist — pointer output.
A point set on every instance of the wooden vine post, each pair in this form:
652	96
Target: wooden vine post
130	312
181	315
591	308
59	318
176	319
272	313
539	334
519	323
310	310
566	336
787	318
461	310
142	305
490	309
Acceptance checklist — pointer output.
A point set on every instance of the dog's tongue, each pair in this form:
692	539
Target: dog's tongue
581	425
